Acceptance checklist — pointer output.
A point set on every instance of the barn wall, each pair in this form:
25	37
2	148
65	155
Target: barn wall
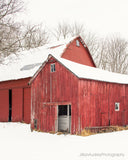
21	100
97	104
48	91
78	54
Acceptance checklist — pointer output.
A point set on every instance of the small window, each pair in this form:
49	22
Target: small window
117	106
53	69
77	43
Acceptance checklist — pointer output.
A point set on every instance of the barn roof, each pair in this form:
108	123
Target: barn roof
28	63
87	72
24	64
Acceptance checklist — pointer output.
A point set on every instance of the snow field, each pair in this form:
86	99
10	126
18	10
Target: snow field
17	142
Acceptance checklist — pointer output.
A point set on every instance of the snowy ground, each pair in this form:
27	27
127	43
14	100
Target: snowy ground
17	142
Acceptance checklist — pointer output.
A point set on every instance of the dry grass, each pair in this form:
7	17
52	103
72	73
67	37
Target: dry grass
86	132
59	133
113	129
90	131
52	132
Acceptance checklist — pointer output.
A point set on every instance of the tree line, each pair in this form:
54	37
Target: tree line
110	53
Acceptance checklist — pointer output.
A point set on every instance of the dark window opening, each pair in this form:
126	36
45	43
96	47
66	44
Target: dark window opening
53	69
35	123
10	106
62	110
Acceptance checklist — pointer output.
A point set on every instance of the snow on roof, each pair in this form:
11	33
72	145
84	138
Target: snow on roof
87	72
25	64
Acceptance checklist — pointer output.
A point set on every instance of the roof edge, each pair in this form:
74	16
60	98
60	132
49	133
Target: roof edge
81	78
42	66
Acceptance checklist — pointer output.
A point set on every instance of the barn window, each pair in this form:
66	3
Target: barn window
53	69
77	43
117	106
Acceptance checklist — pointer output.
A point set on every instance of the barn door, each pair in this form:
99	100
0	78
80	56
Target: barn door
17	105
27	105
64	118
4	105
49	118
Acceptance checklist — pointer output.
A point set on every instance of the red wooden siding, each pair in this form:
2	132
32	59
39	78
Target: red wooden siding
97	103
27	105
53	88
21	100
4	105
17	104
14	83
48	117
78	54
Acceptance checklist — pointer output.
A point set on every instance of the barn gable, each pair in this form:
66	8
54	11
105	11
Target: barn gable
78	52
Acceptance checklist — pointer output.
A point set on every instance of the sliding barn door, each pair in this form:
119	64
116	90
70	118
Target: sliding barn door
4	105
17	105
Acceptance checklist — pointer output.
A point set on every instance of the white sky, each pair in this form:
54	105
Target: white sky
101	16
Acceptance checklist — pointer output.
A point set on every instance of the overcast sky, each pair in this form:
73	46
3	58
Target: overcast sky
101	16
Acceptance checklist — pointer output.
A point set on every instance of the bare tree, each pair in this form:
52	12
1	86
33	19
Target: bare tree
9	8
114	55
77	29
34	36
9	42
16	36
64	30
8	29
61	31
92	42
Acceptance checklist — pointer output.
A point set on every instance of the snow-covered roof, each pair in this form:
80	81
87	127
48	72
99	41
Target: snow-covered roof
25	64
87	72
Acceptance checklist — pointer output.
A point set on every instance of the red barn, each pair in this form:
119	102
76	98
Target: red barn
16	71
68	96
